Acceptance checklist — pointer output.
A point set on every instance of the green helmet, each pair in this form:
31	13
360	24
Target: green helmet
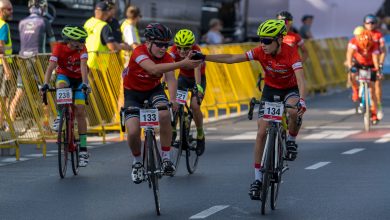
184	37
272	28
74	32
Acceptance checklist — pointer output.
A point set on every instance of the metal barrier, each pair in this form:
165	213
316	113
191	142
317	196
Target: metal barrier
24	120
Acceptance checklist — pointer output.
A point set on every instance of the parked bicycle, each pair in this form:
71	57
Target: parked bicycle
183	137
66	141
273	162
151	155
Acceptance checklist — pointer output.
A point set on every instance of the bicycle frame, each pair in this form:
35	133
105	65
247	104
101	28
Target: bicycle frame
364	94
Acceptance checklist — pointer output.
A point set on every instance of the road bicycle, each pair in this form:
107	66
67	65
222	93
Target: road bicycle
364	78
183	137
67	144
273	161
151	155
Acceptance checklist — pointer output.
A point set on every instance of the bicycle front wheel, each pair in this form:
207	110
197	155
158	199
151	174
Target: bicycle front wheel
267	169
177	141
63	143
277	162
152	169
191	155
367	113
75	158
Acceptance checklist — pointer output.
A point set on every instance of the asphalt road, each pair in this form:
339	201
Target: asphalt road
341	173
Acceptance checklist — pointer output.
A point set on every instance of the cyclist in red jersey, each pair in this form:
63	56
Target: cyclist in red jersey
148	63
284	77
370	23
191	78
69	59
364	53
352	76
291	38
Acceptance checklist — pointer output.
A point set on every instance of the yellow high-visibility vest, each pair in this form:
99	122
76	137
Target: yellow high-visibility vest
8	46
94	45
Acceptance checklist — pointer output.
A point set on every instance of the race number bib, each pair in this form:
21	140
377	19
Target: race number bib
181	97
273	111
149	118
364	75
64	96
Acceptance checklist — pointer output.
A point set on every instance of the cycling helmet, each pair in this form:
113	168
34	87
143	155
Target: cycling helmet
37	3
74	32
157	31
272	28
184	37
285	15
358	30
365	39
370	18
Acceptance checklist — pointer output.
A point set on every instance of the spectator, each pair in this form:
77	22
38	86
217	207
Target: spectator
214	36
305	31
114	23
6	11
129	26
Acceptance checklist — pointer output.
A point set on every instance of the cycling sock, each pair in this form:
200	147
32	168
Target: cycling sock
83	142
291	137
165	152
137	158
258	173
200	133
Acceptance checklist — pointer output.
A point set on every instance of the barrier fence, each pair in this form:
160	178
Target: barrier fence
25	120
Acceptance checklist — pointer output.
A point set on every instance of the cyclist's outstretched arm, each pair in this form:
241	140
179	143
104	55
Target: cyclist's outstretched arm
226	58
375	60
349	57
172	84
305	54
84	70
299	74
49	70
197	75
161	68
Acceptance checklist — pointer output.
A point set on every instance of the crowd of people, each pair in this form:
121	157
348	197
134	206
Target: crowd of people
149	62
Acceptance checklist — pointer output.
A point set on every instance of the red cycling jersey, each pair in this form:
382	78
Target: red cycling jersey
293	39
378	38
362	56
68	60
186	72
135	77
279	69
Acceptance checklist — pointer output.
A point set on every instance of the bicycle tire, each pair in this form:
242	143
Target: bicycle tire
153	176
177	146
278	155
75	159
367	113
63	143
267	170
192	157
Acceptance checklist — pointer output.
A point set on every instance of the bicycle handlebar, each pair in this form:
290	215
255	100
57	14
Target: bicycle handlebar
44	95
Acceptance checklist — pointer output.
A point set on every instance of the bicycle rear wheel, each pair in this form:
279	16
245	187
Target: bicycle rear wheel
63	143
267	170
191	155
177	145
277	163
367	113
152	169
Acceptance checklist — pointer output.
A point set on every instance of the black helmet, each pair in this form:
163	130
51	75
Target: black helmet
74	33
285	15
157	31
37	3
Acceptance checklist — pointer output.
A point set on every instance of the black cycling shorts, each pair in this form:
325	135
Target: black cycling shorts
185	83
373	73
270	94
134	98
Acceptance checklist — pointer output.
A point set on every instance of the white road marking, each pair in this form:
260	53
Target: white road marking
2	164
343	112
353	151
52	151
317	165
384	139
331	134
250	135
208	212
211	129
13	159
38	155
328	127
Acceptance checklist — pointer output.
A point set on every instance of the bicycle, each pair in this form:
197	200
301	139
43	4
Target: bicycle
273	161
151	156
364	78
66	141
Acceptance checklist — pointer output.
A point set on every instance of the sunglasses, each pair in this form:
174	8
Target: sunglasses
161	44
370	23
266	41
183	48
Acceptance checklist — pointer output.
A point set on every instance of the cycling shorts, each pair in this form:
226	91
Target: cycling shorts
270	93
79	96
185	83
134	98
373	73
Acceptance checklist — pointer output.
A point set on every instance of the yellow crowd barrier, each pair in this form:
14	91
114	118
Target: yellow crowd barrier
24	120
